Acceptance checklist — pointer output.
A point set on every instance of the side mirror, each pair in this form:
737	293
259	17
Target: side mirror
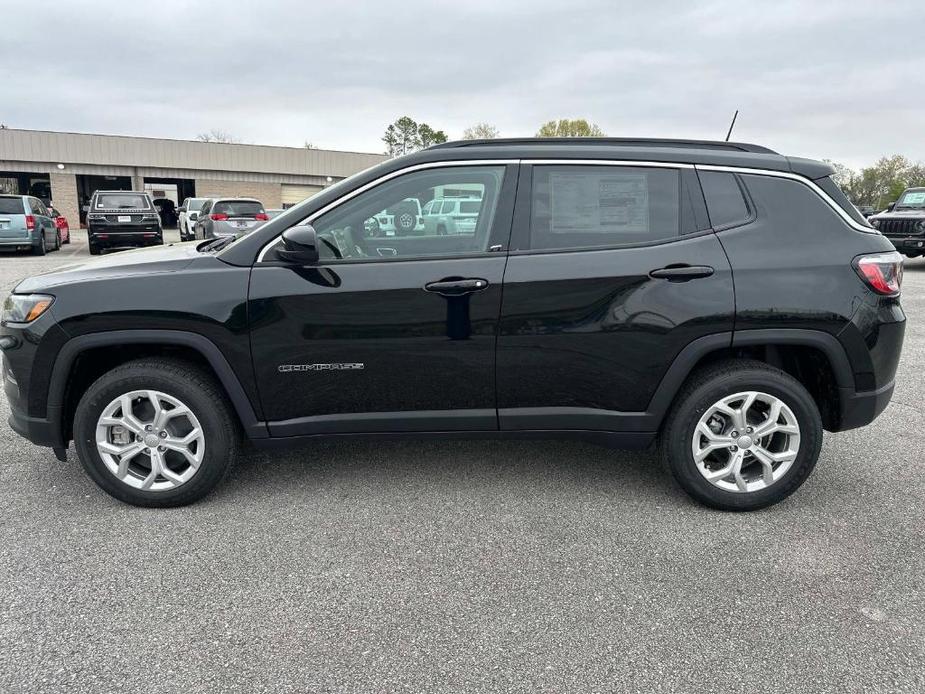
300	245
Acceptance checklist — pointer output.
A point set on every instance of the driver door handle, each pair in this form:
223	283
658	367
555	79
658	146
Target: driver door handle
457	287
682	273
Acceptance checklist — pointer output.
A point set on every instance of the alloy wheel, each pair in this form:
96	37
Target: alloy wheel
150	440
746	442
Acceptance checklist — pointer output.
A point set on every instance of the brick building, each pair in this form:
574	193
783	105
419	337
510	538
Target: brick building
66	168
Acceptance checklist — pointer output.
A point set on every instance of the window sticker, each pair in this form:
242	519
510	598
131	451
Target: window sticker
913	199
599	203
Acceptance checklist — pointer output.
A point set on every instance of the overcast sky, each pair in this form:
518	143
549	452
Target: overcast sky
843	80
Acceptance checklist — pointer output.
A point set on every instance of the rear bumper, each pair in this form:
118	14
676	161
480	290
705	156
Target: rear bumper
19	242
121	239
859	409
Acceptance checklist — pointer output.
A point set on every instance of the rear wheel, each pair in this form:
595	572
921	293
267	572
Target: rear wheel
155	433
40	249
742	436
94	249
57	240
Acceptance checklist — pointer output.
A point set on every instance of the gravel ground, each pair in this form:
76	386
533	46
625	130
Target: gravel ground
471	566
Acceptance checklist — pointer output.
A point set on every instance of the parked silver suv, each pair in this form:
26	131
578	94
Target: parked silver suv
451	215
223	217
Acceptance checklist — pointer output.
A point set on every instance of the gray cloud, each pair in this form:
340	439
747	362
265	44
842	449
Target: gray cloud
841	80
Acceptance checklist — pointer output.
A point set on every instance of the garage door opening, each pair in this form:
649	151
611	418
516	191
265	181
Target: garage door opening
87	185
22	183
293	194
168	194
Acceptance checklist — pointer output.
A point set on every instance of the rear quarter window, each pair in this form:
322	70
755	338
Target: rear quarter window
12	206
727	204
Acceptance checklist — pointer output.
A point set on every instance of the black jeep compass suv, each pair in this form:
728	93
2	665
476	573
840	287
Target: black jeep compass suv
718	298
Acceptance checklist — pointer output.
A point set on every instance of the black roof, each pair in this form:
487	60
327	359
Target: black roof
707	152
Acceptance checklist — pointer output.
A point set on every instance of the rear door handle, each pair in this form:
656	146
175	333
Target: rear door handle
682	273
457	287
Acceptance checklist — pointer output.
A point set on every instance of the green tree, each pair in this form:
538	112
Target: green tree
427	136
480	131
565	127
406	135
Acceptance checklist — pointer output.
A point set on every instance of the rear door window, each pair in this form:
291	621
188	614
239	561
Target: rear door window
12	206
576	207
726	201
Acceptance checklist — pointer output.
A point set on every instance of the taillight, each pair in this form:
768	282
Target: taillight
30	222
60	222
882	272
261	217
218	217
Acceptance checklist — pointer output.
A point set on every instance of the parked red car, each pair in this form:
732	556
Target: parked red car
61	224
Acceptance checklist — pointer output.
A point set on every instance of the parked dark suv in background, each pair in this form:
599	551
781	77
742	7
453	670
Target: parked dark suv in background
904	223
718	298
122	219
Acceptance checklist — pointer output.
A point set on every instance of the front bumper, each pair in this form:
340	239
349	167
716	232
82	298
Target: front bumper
39	430
908	244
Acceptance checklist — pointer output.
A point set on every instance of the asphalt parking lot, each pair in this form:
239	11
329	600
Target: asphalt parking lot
471	566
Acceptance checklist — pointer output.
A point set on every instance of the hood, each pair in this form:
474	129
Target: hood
900	214
144	261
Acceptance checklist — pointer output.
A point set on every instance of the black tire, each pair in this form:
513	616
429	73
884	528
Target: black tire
193	387
707	387
94	249
441	230
57	241
40	249
68	241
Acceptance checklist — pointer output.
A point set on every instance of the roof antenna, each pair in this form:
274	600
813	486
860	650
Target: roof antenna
732	124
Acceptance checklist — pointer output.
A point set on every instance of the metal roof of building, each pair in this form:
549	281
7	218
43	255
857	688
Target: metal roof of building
120	150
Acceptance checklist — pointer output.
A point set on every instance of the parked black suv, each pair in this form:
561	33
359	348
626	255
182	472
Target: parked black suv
122	219
722	299
904	223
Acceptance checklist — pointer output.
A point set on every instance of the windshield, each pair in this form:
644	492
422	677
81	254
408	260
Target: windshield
121	201
912	198
11	206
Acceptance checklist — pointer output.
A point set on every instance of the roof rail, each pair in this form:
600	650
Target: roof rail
611	141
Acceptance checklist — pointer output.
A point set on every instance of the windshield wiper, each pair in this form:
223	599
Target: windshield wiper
218	244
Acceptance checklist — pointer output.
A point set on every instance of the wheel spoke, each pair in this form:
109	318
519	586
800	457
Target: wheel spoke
183	446
128	416
737	471
767	464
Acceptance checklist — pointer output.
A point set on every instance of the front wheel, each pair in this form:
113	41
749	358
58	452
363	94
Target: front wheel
155	432
742	436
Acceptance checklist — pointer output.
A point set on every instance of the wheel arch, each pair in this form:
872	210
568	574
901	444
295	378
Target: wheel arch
62	381
793	350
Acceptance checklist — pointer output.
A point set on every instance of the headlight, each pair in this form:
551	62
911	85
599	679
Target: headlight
25	308
875	223
920	225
